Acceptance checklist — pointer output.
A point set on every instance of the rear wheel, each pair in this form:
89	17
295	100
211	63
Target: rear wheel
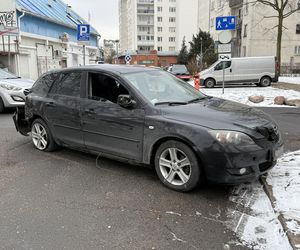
210	83
41	136
1	106
265	81
177	166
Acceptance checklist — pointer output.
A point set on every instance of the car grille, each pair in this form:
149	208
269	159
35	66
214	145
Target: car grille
26	92
270	132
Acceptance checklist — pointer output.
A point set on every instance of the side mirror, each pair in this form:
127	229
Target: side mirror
125	101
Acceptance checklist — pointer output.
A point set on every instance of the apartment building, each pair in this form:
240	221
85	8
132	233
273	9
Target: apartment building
160	25
256	33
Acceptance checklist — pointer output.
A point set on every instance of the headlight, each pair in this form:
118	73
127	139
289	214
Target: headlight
9	87
234	140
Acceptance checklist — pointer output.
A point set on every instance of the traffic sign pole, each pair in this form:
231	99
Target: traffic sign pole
83	37
223	77
83	47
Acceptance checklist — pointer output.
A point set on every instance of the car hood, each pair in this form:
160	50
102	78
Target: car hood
216	113
20	82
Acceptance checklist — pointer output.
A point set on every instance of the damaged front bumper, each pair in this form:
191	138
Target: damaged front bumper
22	125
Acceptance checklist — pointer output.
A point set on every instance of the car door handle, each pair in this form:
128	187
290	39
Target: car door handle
230	70
50	104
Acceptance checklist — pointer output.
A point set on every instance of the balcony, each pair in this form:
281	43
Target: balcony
234	3
145	43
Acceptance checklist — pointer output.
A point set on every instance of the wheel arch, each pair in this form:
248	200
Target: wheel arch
183	140
266	76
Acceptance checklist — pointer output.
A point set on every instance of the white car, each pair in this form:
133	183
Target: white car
12	90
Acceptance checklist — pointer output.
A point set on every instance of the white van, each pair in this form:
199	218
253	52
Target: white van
258	70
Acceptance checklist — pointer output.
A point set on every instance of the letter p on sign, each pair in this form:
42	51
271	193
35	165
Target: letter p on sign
83	32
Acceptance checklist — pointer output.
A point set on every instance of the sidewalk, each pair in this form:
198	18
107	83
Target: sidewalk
286	86
282	185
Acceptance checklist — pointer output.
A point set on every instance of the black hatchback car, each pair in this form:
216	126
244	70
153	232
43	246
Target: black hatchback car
148	117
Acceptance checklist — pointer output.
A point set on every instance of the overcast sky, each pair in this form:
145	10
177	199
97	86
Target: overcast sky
104	15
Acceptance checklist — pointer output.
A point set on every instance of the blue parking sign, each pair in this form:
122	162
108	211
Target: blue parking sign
83	32
226	23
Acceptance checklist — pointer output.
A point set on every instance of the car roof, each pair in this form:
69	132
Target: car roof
113	68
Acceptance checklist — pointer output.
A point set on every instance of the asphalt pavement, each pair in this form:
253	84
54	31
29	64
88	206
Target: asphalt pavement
71	200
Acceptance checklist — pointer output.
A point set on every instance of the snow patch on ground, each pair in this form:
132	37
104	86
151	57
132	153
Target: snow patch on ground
285	182
253	218
294	80
254	221
241	94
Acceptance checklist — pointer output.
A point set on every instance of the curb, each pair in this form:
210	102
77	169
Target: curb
294	240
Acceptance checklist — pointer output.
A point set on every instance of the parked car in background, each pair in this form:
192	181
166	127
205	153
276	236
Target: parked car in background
149	117
180	71
261	71
12	89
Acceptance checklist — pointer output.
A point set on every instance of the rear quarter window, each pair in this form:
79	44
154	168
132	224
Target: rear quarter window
42	85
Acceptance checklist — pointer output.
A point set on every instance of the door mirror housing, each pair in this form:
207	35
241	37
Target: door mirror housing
126	101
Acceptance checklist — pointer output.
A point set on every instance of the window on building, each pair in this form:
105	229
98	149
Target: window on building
298	29
159	29
172	1
246	8
171	48
172	19
244	51
297	50
159	19
159	9
245	30
172	39
172	29
159	38
212	22
172	9
159	48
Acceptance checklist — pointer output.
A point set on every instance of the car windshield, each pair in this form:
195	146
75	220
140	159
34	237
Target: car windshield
6	75
160	87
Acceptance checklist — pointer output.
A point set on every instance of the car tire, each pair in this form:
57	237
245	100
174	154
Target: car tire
169	160
41	136
210	83
265	81
2	108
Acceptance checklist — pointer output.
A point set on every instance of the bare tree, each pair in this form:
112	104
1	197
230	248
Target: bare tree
283	9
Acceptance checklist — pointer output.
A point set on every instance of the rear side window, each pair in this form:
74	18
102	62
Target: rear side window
42	86
68	84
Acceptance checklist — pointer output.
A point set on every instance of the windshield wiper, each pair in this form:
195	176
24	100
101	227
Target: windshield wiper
171	103
196	99
12	77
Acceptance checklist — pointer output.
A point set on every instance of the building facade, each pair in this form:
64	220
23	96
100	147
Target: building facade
256	33
161	25
46	37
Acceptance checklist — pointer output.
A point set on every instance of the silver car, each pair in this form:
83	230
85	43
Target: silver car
12	89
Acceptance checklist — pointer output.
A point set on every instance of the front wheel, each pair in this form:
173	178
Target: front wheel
177	166
209	83
265	81
41	136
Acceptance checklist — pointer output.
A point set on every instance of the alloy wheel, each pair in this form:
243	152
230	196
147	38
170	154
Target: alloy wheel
39	136
175	166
